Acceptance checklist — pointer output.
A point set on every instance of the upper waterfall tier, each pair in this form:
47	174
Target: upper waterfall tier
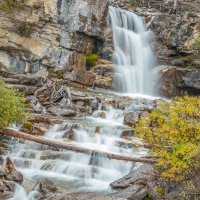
133	57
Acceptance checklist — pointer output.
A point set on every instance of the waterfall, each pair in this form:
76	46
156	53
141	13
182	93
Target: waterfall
133	57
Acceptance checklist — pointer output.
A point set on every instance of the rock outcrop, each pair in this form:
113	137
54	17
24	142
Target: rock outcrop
60	33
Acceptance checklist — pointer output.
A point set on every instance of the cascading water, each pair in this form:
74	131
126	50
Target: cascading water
74	172
133	57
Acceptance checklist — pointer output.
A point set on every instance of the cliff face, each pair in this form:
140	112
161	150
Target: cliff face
57	33
54	36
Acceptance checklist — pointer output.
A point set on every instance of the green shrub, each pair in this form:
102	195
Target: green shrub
174	129
91	59
186	8
24	29
11	106
10	5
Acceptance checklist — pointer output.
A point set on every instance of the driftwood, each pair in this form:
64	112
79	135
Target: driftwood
62	145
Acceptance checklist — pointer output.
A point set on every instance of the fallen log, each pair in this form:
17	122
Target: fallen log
62	145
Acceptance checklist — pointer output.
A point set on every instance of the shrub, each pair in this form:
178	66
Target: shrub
24	29
11	5
186	8
174	129
91	59
11	106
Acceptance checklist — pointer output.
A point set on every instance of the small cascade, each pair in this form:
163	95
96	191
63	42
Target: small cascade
133	57
76	172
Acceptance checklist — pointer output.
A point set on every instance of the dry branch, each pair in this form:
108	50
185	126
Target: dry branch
62	145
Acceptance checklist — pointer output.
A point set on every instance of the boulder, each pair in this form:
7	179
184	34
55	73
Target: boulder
131	118
33	129
66	110
175	81
11	174
47	186
94	104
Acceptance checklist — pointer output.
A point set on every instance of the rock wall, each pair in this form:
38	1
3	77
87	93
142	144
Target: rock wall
177	45
62	31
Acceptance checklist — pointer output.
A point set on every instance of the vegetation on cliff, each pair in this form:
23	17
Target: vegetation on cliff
174	129
24	29
91	59
11	106
11	5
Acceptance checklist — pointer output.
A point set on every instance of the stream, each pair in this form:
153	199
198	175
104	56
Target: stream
104	130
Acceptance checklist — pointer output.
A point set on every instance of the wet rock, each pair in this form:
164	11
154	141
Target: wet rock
136	192
1	160
94	104
159	101
126	133
140	175
80	196
11	173
131	118
84	109
6	195
33	129
85	99
79	103
66	110
11	185
179	82
109	100
37	107
145	114
47	186
101	115
2	174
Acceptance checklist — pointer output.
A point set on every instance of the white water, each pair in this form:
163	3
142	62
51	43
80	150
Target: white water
133	57
74	172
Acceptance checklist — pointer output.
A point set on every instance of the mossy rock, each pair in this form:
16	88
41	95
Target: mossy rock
161	190
59	75
28	125
86	103
91	59
27	106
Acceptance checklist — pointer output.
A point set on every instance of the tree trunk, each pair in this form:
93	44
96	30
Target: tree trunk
62	145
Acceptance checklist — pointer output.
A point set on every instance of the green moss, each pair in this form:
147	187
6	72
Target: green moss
11	5
24	29
29	125
186	8
27	106
42	99
147	198
85	103
59	75
161	190
91	59
169	29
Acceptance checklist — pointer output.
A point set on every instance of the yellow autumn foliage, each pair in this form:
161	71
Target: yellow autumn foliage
174	129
